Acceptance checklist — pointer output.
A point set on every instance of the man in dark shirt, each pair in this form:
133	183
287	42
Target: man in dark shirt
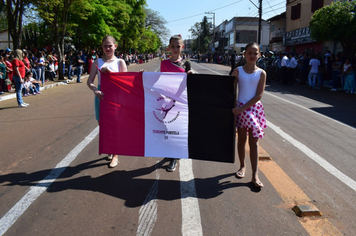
233	62
79	65
69	64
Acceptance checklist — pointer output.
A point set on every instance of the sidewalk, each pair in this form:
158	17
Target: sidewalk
49	84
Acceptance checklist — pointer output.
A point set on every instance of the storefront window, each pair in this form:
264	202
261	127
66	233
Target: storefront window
231	37
245	36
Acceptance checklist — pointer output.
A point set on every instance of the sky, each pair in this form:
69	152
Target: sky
181	15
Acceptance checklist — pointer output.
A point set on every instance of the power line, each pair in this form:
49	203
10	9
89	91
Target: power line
204	13
275	9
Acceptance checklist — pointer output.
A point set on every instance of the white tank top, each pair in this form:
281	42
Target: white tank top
247	84
113	66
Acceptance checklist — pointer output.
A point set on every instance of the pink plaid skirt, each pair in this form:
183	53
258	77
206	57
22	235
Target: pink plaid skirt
252	118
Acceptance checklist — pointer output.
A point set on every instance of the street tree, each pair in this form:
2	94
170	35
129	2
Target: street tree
3	17
131	32
201	32
149	41
107	17
336	22
14	13
156	23
56	14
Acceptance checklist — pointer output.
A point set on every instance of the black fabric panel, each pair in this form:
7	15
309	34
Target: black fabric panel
211	122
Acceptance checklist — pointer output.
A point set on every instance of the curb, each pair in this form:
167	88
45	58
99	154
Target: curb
65	82
11	96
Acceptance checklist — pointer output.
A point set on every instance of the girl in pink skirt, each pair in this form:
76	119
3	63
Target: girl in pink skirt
249	110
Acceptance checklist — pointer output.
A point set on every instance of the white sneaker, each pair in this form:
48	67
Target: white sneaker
26	104
22	105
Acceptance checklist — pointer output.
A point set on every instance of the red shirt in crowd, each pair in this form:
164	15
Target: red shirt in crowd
27	63
20	65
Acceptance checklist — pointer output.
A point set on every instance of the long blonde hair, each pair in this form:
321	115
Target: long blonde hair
18	54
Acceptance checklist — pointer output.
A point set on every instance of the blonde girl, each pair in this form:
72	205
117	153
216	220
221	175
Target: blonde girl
108	63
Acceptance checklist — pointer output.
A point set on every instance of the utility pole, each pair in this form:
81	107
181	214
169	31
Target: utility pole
212	38
259	20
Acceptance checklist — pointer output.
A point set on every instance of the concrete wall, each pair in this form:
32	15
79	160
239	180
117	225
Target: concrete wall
4	41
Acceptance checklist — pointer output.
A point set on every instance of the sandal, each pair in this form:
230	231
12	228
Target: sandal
240	174
258	184
114	162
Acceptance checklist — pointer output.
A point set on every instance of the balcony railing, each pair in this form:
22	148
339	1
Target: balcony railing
279	33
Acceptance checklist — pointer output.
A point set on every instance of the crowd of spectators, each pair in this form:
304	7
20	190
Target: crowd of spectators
312	69
309	68
43	64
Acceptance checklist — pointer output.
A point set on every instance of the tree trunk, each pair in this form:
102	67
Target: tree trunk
14	17
60	50
124	45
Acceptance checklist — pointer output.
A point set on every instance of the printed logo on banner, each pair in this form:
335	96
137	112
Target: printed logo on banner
161	114
165	114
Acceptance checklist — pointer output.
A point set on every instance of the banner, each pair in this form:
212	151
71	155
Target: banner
173	115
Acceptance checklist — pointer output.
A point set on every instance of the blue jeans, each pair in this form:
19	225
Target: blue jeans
37	87
43	74
30	90
312	79
40	74
336	78
79	72
343	79
34	73
18	86
70	72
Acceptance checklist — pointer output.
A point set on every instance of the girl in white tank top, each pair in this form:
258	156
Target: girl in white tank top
113	66
109	63
249	110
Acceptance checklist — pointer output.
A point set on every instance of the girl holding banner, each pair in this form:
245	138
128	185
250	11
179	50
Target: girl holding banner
175	64
249	110
108	63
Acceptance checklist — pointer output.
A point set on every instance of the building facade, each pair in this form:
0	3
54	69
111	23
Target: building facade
236	33
4	40
188	43
297	36
276	32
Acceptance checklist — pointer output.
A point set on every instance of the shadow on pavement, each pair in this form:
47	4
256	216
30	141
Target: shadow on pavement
126	185
342	106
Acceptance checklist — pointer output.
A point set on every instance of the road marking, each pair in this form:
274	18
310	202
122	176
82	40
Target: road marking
148	211
292	195
191	221
315	157
35	191
308	109
209	69
289	191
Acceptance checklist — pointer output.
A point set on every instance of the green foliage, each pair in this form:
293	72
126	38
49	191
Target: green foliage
57	13
86	22
132	31
99	22
336	22
14	14
202	33
3	21
29	34
157	24
149	41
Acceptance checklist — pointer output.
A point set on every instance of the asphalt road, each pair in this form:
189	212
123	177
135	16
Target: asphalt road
53	182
